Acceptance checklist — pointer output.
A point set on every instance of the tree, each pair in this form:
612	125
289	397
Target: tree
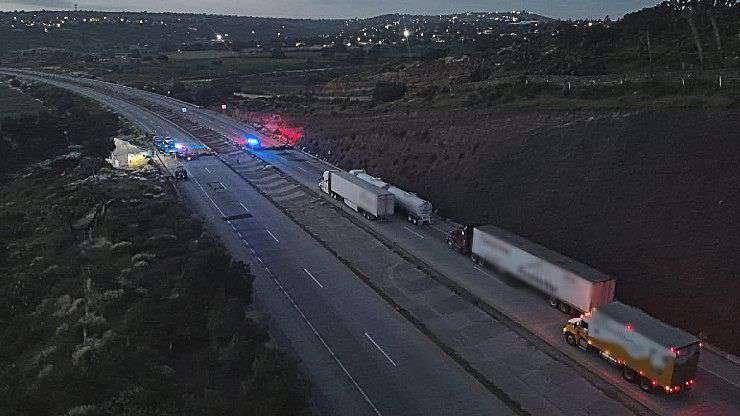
687	9
712	7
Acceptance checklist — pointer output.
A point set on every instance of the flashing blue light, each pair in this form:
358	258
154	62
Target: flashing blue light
253	142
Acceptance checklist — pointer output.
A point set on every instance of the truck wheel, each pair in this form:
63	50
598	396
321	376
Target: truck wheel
570	339
629	374
646	385
564	308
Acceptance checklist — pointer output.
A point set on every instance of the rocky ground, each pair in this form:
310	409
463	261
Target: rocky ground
649	196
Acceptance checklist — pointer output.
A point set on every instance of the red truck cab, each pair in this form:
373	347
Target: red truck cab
461	239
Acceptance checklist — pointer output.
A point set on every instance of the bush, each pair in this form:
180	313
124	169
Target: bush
388	91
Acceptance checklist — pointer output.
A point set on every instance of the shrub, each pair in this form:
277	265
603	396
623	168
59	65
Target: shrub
388	91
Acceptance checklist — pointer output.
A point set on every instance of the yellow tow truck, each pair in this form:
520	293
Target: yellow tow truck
649	352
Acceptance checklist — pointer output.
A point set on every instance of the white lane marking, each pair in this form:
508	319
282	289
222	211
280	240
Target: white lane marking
209	171
413	232
381	350
326	346
259	259
209	197
273	236
245	208
719	376
314	279
483	271
224	186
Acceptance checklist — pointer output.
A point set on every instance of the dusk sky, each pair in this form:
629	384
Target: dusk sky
343	8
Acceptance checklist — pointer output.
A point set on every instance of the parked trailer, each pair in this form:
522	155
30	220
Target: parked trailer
417	210
369	200
570	286
649	352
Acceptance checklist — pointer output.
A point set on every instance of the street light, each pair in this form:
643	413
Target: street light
407	35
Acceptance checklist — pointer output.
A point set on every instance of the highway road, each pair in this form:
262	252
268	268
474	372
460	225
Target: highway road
360	354
557	378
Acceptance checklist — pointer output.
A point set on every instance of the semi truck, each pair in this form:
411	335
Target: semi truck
417	210
570	286
372	202
649	352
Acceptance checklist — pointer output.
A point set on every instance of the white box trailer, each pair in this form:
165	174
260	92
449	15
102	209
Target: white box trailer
369	200
417	210
570	285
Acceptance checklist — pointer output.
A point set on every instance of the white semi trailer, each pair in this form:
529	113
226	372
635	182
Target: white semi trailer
570	286
417	210
372	202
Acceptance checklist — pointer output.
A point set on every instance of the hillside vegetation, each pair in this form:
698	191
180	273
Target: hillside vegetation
115	300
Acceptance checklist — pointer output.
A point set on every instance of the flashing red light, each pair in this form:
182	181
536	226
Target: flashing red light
701	344
629	327
642	373
655	383
678	388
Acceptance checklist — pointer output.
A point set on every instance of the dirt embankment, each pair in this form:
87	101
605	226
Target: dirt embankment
649	197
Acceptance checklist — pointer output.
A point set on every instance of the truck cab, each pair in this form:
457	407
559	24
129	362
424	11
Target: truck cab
461	239
324	185
576	332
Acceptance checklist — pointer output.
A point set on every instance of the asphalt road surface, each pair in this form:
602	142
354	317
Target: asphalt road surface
360	354
358	350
